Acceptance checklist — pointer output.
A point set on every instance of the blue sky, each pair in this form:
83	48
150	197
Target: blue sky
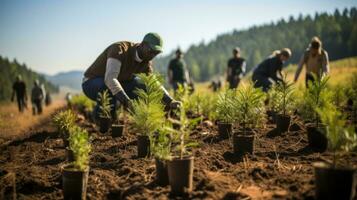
60	35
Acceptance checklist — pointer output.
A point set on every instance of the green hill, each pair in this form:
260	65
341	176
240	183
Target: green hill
338	31
10	69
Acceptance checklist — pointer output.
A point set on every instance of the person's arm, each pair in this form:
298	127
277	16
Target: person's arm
243	69
325	65
299	68
111	80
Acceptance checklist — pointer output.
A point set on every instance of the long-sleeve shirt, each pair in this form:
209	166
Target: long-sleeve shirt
318	64
269	68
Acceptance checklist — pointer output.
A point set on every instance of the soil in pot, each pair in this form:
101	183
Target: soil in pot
224	130
162	177
117	130
181	174
143	146
334	183
282	122
104	124
243	142
316	137
74	182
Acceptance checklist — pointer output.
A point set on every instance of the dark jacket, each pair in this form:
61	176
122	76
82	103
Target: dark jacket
269	68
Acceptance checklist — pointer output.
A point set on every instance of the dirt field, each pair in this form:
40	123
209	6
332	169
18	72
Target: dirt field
16	125
279	169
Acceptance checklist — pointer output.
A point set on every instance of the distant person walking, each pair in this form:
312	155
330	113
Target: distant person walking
19	89
269	71
236	69
316	60
116	68
48	98
37	98
177	71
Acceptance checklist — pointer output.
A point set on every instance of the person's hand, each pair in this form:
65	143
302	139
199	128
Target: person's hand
175	104
123	98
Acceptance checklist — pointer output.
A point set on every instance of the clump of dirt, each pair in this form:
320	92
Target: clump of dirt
280	168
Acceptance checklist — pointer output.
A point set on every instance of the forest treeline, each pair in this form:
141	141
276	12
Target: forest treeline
9	71
338	32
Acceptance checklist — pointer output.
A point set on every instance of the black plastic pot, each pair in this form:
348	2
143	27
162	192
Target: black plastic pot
334	183
69	155
224	130
74	183
243	143
143	146
104	124
162	177
181	174
272	115
117	130
282	122
316	137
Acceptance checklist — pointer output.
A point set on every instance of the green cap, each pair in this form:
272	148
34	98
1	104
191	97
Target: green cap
154	40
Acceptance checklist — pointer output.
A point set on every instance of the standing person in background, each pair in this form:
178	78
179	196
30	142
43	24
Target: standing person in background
316	60
269	71
177	71
236	69
37	98
19	89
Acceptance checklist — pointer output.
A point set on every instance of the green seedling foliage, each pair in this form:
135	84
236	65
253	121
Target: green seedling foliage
339	97
147	112
160	144
225	111
316	96
341	139
64	120
104	104
285	99
181	138
82	102
249	106
80	145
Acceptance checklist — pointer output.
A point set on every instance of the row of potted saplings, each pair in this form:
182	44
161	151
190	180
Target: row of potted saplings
77	143
326	127
155	134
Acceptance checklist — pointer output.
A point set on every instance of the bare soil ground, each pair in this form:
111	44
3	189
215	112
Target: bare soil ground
280	168
15	125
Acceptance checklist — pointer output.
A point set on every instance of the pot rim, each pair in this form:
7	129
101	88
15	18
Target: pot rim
326	165
186	157
70	167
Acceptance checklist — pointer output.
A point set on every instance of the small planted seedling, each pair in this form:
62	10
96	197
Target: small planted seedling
285	104
104	111
64	120
249	107
180	165
335	180
147	112
225	112
83	104
75	174
317	96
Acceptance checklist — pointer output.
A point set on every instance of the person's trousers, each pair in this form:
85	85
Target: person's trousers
234	82
309	78
37	106
262	82
21	104
92	87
